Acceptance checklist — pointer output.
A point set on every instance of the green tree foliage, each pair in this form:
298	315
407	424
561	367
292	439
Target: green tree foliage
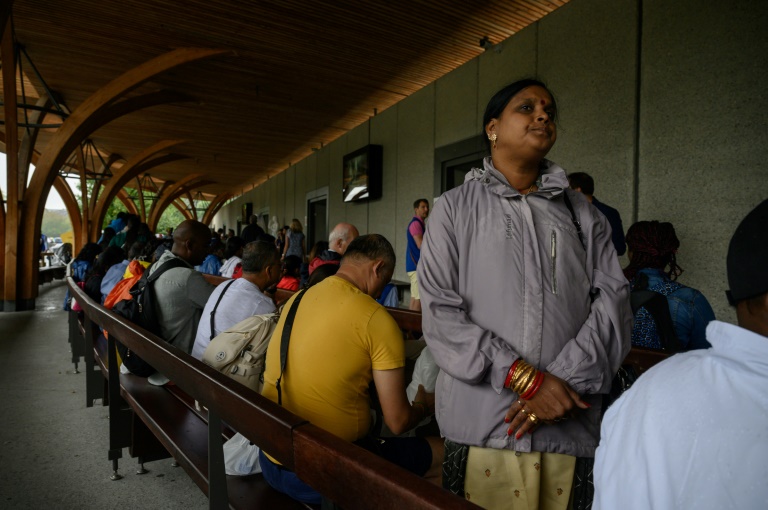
115	207
170	218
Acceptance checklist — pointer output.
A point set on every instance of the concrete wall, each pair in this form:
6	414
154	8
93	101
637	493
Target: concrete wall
662	102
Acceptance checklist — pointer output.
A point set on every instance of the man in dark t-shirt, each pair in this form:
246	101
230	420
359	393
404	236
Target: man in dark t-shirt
584	184
253	231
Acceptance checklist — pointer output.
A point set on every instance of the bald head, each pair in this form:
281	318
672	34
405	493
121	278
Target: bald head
190	241
341	235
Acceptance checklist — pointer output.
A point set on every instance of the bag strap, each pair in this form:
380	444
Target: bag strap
658	306
168	265
216	306
285	340
574	219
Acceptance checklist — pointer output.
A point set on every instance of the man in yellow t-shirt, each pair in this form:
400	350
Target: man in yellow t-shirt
342	339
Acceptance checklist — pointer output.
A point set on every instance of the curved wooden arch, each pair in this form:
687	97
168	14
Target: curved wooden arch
91	114
172	196
193	209
135	166
182	209
113	158
166	195
214	207
2	241
129	204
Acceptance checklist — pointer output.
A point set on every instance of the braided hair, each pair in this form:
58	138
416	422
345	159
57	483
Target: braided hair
653	245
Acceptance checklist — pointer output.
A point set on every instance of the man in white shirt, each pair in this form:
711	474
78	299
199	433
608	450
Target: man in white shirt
693	431
243	297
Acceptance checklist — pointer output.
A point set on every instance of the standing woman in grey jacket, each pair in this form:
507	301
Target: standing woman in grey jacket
526	312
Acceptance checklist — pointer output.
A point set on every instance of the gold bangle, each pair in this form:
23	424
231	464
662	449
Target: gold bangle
526	381
530	384
520	381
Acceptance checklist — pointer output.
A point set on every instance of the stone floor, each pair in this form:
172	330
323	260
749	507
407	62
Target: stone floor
53	449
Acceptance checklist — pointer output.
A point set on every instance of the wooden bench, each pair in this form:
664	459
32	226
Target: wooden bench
342	472
157	423
50	273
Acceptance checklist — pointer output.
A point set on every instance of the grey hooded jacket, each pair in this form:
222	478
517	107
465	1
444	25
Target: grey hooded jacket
504	275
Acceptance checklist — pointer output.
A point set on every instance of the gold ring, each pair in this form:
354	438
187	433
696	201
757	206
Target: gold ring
523	411
521	403
534	419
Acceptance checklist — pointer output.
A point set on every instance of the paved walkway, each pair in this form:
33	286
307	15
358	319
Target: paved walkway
53	450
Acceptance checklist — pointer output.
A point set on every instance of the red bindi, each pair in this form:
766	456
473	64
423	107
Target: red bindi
543	102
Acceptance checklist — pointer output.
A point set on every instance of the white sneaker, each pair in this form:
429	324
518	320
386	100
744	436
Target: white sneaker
158	379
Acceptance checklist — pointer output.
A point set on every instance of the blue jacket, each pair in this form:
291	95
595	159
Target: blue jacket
211	265
617	229
688	307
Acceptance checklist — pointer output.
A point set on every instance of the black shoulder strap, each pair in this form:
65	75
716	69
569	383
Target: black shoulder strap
167	265
574	219
216	306
285	340
658	306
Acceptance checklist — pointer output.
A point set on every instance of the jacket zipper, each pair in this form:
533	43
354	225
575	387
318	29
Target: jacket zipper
553	261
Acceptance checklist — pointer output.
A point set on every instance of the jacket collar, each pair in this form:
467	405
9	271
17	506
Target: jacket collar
551	182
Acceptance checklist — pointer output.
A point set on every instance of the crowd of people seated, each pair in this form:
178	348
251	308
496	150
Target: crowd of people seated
526	313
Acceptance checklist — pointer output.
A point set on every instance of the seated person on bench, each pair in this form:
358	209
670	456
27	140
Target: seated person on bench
652	249
341	340
181	293
291	273
243	297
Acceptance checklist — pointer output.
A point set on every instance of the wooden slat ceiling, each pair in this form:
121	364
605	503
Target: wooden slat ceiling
301	73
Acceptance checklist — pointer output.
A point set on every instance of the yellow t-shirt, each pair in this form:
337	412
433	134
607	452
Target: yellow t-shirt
339	336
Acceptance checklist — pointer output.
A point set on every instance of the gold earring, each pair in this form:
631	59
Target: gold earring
492	138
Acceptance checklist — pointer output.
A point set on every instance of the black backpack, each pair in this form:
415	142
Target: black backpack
141	311
658	306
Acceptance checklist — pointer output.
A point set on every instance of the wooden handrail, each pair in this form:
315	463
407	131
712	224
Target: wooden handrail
283	434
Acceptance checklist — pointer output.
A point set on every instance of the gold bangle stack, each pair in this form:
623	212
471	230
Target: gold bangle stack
523	378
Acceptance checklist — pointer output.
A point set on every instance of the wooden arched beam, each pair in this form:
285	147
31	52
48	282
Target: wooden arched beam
73	210
24	156
193	208
174	192
138	164
142	206
182	209
111	160
5	16
2	241
129	204
27	144
94	112
166	195
214	207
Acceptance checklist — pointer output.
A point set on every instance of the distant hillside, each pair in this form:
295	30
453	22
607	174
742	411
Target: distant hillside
55	222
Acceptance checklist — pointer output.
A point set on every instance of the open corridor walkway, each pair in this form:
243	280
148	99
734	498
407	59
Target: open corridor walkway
53	450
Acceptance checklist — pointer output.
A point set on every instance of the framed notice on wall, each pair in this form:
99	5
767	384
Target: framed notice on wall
362	174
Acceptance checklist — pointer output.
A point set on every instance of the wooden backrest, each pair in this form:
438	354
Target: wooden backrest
341	471
409	320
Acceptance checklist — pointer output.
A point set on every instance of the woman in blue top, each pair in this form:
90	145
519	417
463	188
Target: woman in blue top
294	241
652	248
